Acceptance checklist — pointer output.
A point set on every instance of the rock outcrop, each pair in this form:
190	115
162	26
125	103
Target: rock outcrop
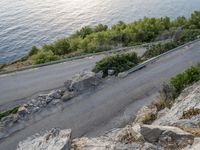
189	99
167	129
83	81
144	137
166	136
55	139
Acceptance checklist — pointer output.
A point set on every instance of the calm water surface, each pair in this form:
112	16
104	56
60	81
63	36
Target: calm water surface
24	23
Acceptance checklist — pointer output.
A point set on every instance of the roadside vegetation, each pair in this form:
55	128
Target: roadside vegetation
118	63
170	91
123	62
184	37
8	112
102	38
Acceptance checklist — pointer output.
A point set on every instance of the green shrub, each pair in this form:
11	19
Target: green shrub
188	35
182	80
194	20
34	50
44	56
185	36
59	47
118	63
8	112
158	49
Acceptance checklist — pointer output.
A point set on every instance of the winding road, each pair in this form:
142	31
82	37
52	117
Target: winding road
16	87
105	107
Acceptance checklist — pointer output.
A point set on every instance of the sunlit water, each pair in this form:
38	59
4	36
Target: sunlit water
24	23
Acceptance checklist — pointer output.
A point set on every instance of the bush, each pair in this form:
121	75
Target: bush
185	36
44	56
118	63
34	50
182	80
59	47
166	97
158	49
190	113
8	112
188	35
194	20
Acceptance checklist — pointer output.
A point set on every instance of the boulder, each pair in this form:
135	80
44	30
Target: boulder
126	135
166	135
111	72
127	138
55	101
67	84
57	94
103	143
122	74
54	139
67	96
84	81
22	111
99	74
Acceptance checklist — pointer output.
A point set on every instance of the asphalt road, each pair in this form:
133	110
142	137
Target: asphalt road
15	87
19	85
93	114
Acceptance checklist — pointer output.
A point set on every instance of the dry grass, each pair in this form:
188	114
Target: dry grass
159	103
149	118
194	131
165	98
190	113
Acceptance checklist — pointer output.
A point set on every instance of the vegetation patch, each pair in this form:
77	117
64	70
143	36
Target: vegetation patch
190	113
170	91
183	80
158	49
185	36
44	56
8	112
118	63
102	38
194	131
165	98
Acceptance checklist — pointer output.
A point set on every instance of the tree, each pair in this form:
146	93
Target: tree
194	21
100	28
84	31
33	51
